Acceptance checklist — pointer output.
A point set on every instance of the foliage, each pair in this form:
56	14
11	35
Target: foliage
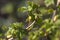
45	27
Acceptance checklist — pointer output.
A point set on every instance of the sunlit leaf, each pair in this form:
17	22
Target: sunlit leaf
22	9
29	8
49	2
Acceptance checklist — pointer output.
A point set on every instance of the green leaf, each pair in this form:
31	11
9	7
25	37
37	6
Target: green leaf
22	9
30	3
49	2
17	25
29	8
43	10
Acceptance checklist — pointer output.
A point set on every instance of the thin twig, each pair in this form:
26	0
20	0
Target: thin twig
55	11
31	24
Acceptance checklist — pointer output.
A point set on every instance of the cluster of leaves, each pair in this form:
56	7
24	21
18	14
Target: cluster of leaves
44	27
